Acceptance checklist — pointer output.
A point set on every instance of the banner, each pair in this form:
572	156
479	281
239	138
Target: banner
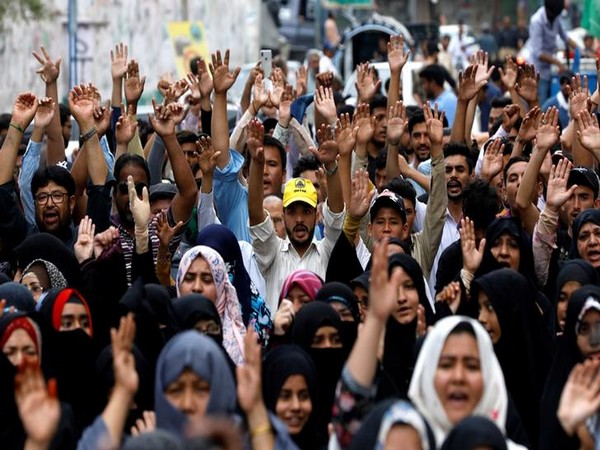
335	4
188	40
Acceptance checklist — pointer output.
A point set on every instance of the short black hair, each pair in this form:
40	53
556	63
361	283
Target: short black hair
306	162
186	137
58	174
480	203
269	123
130	159
433	72
65	113
457	148
403	188
194	64
510	162
500	102
273	142
378	101
415	119
5	121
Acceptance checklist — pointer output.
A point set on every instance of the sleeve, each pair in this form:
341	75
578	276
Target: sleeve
333	227
351	405
108	157
544	243
155	160
205	121
282	134
98	207
236	140
343	264
206	211
13	226
190	122
114	118
536	34
265	243
95	436
29	164
426	243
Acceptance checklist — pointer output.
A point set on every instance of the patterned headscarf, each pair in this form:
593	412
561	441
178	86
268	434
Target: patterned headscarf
57	279
227	302
306	280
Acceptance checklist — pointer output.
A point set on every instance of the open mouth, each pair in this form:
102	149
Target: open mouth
50	217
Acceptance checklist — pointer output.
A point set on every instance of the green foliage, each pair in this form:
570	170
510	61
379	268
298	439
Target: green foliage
21	10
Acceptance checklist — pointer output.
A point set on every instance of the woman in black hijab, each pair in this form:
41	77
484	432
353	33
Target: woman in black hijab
586	237
196	312
579	342
289	391
317	330
574	274
523	345
473	433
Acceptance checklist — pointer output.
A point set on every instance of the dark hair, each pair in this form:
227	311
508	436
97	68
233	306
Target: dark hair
432	47
194	64
495	126
510	162
403	188
306	162
5	121
57	174
381	160
415	119
269	123
500	102
480	203
342	109
272	142
433	72
463	328
456	148
133	160
65	114
144	130
186	137
378	101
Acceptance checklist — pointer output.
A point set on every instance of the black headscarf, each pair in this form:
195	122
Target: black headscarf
552	435
589	215
328	361
278	366
475	432
18	296
575	270
553	8
335	291
525	347
190	308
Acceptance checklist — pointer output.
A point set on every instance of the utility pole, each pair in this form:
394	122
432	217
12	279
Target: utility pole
72	32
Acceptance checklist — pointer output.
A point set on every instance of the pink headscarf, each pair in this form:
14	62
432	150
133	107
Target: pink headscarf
306	280
227	303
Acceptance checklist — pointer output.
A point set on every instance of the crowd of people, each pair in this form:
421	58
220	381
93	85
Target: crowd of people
321	276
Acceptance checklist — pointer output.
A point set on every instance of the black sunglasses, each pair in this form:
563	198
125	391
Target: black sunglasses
124	189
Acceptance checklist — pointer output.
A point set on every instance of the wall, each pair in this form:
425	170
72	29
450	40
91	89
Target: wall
103	23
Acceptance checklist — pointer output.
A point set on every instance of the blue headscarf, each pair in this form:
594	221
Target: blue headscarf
192	350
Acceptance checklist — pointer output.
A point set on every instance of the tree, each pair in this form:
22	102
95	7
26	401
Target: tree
21	9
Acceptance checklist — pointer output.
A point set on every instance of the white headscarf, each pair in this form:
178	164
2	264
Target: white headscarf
494	400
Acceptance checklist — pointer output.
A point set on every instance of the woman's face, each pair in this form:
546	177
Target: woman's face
506	251
563	301
208	327
344	312
588	339
404	437
199	280
20	347
298	297
488	317
458	379
30	281
294	405
189	394
408	299
74	316
327	337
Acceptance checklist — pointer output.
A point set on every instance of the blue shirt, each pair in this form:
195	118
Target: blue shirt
231	197
542	39
447	103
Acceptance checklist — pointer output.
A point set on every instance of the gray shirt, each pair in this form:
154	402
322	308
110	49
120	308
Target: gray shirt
542	39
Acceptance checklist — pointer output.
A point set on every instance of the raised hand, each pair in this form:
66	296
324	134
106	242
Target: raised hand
193	82
147	424
164	231
396	123
81	104
285	105
397	57
164	83
105	240
84	247
118	61
383	288
450	295
527	83
126	126
366	86
24	110
284	317
249	378
177	111
44	113
162	121
327	152
579	95
39	408
223	78
557	193
589	131
140	208
360	195
530	124
324	79
510	115
50	70
481	60
325	104
509	74
134	85
468	86
205	82
260	95
255	136
102	118
471	254
207	157
435	124
548	132
346	134
126	377
301	81
493	162
278	80
365	123
580	397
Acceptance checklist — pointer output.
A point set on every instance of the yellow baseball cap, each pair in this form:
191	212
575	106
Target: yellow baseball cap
299	190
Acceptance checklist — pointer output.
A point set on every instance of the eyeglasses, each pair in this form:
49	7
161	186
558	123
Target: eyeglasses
57	197
212	329
124	189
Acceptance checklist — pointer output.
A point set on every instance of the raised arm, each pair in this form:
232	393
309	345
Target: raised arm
346	138
527	85
588	134
255	133
223	79
578	102
118	69
366	86
49	72
134	87
397	58
326	154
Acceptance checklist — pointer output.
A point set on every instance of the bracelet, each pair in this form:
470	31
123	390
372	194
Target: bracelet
331	172
17	127
86	136
258	431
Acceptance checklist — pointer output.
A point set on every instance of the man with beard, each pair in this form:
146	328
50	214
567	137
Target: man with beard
459	172
432	79
420	146
277	257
